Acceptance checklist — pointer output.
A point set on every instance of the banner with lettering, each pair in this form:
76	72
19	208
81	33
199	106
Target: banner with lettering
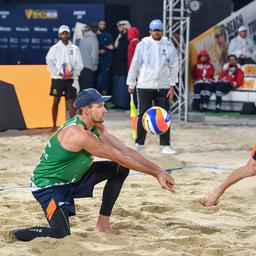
216	39
27	31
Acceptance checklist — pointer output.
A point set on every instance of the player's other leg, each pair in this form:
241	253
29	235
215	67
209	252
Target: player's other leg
59	228
115	176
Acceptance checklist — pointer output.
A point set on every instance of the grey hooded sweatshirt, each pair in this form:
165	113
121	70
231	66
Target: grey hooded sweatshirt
89	49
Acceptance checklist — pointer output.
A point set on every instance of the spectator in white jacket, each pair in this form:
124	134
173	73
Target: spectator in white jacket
243	47
64	64
154	72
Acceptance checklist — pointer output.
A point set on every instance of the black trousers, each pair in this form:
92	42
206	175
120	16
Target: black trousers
222	88
202	94
59	222
86	79
145	98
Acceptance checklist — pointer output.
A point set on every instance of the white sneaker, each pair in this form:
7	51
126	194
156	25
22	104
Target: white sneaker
138	147
167	150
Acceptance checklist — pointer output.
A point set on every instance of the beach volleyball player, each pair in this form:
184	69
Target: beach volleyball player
66	169
245	171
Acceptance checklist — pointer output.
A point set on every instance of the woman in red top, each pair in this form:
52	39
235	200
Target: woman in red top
230	78
203	73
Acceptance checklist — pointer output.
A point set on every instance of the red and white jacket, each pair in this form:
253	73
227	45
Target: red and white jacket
203	72
232	74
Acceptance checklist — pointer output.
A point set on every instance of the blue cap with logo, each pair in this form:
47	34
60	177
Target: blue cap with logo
156	25
89	96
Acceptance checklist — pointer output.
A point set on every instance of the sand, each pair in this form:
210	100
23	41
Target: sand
148	220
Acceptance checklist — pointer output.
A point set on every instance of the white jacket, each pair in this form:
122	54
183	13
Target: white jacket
59	54
244	46
154	65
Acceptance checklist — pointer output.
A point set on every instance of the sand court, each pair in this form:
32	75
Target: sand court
147	219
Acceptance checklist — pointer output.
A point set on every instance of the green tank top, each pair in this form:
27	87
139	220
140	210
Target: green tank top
58	166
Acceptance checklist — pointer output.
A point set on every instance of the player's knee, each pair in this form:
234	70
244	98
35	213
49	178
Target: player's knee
62	232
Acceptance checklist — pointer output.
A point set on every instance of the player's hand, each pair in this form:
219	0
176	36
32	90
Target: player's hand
170	94
166	181
212	199
130	90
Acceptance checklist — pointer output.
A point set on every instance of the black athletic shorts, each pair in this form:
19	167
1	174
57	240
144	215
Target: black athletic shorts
63	87
51	198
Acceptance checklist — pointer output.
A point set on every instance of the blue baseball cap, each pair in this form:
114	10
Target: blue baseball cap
156	25
89	96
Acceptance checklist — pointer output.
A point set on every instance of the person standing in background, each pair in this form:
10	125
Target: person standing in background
154	71
121	98
105	55
64	64
89	48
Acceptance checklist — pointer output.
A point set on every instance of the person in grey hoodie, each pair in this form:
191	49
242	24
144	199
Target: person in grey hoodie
89	49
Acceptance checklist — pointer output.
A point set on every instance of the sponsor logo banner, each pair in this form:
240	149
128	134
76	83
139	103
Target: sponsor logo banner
41	14
33	28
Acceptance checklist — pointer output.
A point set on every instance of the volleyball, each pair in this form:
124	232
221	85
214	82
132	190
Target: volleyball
156	120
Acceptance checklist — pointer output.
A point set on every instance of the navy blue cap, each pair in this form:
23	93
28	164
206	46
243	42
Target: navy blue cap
89	96
156	25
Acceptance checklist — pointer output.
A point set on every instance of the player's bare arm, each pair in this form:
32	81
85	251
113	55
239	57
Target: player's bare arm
243	172
114	142
75	139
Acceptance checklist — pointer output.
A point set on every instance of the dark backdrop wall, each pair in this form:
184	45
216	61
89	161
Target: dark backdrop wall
140	12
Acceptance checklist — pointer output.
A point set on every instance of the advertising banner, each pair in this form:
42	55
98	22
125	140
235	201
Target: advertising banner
216	39
27	31
24	98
